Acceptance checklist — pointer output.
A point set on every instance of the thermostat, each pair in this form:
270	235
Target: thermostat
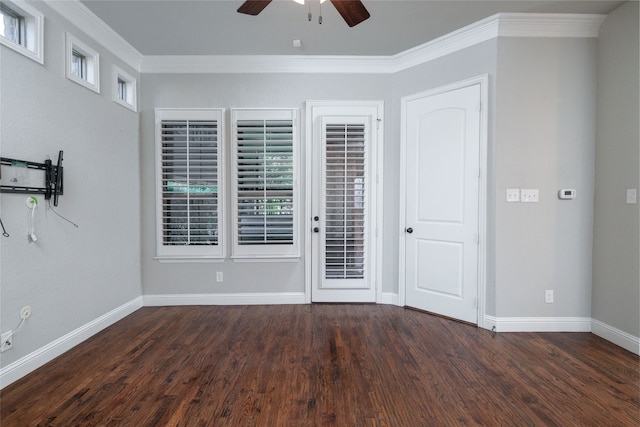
567	193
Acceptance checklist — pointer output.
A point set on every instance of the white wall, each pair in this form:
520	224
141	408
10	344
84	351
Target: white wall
70	276
616	260
237	91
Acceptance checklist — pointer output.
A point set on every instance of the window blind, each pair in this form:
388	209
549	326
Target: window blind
265	182
345	193
189	182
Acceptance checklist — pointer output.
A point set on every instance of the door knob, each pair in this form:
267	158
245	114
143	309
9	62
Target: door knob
316	218
409	230
316	229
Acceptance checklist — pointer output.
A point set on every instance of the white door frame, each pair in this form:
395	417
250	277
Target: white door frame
483	81
376	191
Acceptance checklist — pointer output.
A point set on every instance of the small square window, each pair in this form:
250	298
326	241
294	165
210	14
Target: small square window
82	64
124	89
22	28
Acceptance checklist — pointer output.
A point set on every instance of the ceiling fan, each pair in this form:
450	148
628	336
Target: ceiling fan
352	11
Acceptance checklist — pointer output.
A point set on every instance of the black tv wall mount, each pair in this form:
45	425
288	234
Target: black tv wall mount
53	178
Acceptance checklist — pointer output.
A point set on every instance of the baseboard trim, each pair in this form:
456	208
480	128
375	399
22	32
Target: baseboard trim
616	336
391	298
538	324
275	298
45	354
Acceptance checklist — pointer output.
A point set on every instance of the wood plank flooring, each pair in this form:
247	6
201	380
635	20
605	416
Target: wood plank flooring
325	365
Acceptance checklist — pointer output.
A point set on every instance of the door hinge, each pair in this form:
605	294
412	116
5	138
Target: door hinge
477	237
378	124
475	300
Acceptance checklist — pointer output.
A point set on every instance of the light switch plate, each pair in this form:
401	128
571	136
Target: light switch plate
632	196
513	194
529	195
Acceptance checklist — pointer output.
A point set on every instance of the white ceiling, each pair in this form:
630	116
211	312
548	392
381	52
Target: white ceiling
213	27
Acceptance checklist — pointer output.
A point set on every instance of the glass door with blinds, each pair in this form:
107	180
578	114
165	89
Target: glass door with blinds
343	219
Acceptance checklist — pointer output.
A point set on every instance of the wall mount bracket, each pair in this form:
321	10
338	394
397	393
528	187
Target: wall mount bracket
53	178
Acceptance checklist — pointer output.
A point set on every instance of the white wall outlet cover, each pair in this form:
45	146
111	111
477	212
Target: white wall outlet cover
632	196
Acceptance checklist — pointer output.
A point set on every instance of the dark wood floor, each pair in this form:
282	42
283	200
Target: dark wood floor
317	365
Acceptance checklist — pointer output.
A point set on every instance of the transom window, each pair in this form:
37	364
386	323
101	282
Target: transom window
82	64
22	29
124	89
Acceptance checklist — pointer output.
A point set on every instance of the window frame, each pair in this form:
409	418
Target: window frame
32	32
262	252
191	253
130	87
74	46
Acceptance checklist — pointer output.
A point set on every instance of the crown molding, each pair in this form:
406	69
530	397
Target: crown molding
471	35
83	18
541	25
549	25
499	25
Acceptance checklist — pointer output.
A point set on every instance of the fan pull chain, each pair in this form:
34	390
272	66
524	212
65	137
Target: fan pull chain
309	15
320	17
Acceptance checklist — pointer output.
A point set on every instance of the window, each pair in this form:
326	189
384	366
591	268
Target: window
83	64
124	89
78	65
345	191
22	29
189	149
265	214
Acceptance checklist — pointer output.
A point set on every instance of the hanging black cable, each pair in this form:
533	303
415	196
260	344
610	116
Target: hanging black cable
4	231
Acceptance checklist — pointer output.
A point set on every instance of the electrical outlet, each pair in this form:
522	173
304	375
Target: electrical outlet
548	296
6	341
219	276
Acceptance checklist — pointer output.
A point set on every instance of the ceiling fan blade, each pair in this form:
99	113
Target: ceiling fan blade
253	7
352	11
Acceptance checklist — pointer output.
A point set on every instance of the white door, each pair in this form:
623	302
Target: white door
442	134
342	219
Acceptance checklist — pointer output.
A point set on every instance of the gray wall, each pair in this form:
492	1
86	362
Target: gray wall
616	256
70	276
238	91
542	127
545	116
468	63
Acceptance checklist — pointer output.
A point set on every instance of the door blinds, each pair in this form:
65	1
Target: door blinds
265	182
189	187
345	201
